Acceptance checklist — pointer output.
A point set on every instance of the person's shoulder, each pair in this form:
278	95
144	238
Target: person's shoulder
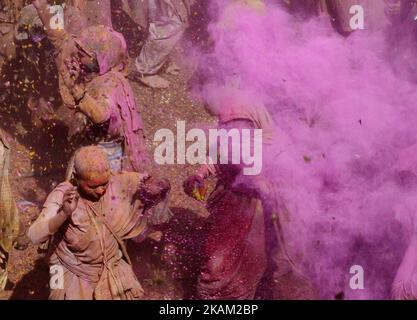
128	177
125	175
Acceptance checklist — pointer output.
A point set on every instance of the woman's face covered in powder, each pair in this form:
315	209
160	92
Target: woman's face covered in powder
92	172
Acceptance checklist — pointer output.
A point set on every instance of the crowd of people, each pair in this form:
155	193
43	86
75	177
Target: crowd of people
108	196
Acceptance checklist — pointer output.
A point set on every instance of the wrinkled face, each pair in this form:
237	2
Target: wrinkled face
94	186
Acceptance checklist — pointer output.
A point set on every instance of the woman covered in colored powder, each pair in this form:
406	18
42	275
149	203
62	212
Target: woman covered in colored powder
91	72
91	222
240	239
234	249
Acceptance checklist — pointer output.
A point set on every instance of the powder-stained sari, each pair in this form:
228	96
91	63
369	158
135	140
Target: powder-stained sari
88	246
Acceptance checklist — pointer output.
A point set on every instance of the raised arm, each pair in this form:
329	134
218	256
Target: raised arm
52	215
56	36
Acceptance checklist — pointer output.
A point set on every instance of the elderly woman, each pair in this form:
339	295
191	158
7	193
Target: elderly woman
235	252
92	83
91	220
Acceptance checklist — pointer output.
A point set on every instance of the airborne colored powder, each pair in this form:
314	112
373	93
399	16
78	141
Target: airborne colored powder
343	118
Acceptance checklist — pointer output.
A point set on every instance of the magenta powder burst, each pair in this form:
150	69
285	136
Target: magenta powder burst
344	111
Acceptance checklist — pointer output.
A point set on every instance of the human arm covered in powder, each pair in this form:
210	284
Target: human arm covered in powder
154	193
58	207
96	104
57	36
140	194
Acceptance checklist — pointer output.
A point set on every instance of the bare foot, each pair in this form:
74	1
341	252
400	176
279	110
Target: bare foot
153	81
